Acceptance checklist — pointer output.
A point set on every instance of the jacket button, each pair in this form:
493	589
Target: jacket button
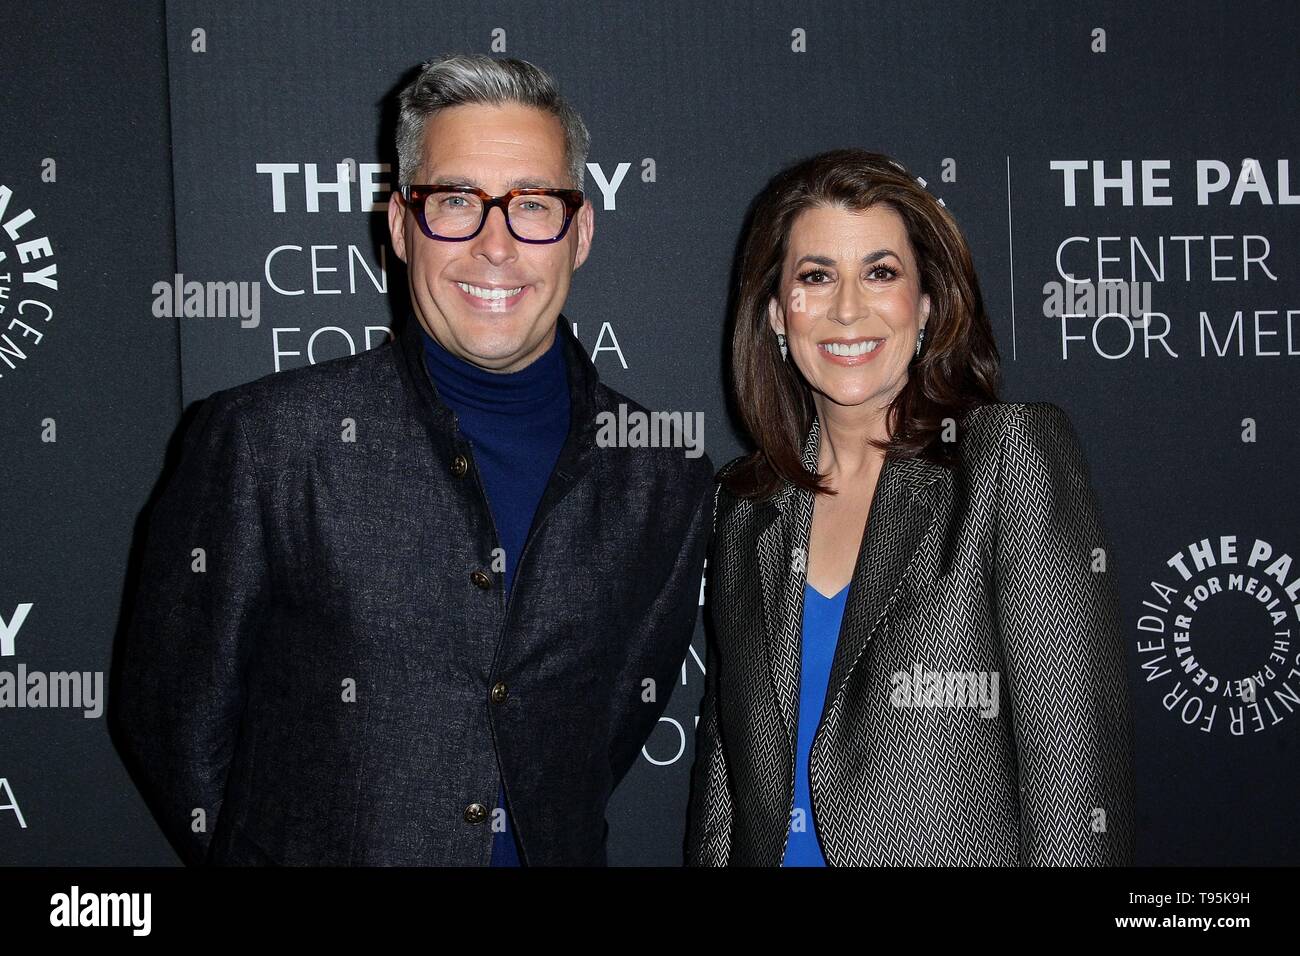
459	466
499	692
481	579
475	813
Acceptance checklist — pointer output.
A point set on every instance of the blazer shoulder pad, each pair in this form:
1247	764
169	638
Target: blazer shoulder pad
729	467
996	423
1036	437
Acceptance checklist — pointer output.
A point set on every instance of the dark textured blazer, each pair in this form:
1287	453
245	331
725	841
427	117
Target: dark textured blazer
338	683
990	567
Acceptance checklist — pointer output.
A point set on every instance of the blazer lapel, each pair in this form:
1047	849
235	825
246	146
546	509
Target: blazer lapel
783	563
903	510
779	580
902	513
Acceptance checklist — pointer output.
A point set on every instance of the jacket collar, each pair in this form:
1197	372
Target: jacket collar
914	474
436	421
582	374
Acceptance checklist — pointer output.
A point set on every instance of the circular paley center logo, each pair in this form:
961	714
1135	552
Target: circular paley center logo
1216	636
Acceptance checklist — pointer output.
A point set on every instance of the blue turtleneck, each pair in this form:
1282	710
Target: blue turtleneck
516	423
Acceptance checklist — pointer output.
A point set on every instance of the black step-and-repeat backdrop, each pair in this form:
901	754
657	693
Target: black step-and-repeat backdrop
1128	177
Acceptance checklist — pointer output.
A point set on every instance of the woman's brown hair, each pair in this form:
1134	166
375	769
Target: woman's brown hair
956	371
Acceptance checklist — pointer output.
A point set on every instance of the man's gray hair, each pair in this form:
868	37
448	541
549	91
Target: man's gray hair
477	78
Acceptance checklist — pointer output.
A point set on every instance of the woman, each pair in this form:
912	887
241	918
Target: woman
915	654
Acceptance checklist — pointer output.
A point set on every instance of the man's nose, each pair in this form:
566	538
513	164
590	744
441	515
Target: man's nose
494	241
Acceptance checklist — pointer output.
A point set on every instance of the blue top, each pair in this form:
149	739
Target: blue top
516	423
821	630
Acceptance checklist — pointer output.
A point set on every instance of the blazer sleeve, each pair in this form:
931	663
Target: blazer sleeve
659	644
181	691
1058	615
708	830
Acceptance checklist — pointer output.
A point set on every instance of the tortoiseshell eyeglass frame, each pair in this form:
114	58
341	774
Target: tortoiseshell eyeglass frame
415	195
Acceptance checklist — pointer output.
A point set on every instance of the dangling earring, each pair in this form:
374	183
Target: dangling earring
780	340
920	339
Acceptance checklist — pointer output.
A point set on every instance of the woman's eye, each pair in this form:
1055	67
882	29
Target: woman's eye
805	276
883	272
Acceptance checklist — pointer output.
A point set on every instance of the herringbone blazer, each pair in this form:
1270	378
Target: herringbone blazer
999	566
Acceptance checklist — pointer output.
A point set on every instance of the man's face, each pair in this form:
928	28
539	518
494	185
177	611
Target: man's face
496	149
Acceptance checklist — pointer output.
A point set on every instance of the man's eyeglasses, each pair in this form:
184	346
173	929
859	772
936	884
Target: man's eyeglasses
457	213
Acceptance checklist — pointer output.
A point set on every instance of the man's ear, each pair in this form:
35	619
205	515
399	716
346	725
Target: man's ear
774	317
397	224
585	223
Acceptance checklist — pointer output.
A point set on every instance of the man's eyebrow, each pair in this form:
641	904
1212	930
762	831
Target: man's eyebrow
869	258
521	182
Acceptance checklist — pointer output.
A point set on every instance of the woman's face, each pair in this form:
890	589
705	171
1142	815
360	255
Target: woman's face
851	304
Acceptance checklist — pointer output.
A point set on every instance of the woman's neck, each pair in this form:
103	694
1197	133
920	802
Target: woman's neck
845	452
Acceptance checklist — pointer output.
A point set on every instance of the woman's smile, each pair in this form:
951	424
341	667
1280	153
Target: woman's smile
858	351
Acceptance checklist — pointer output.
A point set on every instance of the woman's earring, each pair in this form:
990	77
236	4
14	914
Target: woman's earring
920	339
780	340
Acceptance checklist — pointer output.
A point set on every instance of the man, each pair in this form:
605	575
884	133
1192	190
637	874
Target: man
402	607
